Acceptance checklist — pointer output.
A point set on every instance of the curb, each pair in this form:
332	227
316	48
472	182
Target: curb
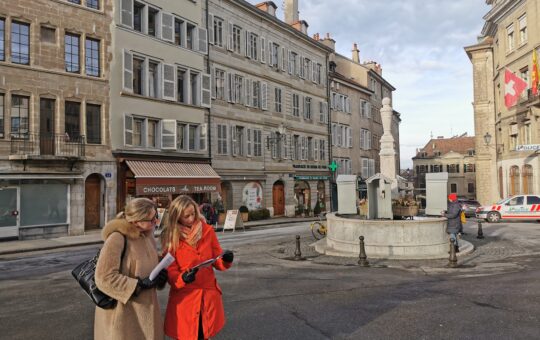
56	246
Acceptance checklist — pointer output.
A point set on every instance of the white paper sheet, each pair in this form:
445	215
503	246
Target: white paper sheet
163	264
207	262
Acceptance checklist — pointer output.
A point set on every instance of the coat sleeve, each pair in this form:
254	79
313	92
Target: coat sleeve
108	277
216	250
453	211
174	274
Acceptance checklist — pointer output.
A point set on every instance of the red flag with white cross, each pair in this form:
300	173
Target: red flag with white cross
513	87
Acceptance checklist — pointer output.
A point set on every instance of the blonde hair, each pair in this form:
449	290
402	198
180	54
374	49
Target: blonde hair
137	209
170	237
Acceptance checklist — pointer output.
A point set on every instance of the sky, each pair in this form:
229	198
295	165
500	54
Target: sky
419	44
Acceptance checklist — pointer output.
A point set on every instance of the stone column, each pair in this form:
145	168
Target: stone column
388	153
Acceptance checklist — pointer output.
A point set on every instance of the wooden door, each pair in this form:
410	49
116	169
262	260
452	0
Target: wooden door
278	199
92	202
46	126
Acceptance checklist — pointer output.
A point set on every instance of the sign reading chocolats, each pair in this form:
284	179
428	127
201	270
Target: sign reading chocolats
153	190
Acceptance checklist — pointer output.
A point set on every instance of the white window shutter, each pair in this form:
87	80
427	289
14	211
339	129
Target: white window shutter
301	68
314	72
233	140
263	50
203	40
203	129
247	91
290	62
168	134
213	81
127	78
248	49
230	87
206	89
126	15
249	143
230	41
316	149
242	43
128	130
264	96
167	27
211	28
169	81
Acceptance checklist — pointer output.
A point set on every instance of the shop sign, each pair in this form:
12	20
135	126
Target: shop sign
149	190
311	178
528	147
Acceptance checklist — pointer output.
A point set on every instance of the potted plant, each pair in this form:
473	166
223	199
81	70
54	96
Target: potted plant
244	212
220	210
404	207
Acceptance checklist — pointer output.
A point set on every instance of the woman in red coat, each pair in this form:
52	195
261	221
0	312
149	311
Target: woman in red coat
195	308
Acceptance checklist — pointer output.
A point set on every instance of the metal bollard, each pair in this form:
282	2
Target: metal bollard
480	232
452	260
297	251
362	257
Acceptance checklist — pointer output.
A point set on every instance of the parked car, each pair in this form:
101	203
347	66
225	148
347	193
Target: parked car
519	207
469	206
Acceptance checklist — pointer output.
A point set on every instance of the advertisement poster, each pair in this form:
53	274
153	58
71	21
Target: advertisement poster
252	196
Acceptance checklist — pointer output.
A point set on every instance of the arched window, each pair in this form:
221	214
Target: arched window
527	175
514	181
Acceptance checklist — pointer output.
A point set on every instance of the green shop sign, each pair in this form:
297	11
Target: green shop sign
311	178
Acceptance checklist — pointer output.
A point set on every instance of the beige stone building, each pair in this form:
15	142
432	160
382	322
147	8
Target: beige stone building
160	95
506	139
454	155
269	116
56	170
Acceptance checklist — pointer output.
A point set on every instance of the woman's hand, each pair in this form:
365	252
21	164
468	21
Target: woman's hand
189	276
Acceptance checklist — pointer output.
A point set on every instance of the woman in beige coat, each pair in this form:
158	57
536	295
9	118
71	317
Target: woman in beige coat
137	314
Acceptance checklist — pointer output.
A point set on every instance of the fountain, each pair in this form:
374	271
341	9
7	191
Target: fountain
416	238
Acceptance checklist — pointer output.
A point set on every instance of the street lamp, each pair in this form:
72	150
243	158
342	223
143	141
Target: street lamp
487	138
276	138
487	142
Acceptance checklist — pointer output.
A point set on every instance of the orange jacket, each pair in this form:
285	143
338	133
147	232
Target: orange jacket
203	295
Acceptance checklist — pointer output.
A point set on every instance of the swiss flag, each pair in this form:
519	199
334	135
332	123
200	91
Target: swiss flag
513	86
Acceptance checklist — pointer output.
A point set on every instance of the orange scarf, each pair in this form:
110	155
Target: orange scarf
191	235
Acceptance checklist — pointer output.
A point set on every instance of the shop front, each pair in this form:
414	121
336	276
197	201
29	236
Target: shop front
310	194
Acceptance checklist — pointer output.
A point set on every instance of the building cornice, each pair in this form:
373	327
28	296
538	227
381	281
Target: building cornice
497	13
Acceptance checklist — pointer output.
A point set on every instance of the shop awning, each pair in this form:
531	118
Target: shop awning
163	178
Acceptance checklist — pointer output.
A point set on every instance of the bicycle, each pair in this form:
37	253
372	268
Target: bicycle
318	228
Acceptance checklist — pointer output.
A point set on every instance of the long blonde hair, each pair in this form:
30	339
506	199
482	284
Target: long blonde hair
170	237
137	209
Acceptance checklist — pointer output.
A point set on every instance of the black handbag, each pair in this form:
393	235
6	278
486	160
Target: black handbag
85	273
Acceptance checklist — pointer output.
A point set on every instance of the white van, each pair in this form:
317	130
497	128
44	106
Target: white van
519	207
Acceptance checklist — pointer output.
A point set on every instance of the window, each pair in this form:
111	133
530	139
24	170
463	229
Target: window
92	57
365	111
257	143
178	29
20	43
322	149
277	99
181	78
527	176
510	38
2	115
93	124
453	188
219	84
310	149
71	52
194	82
2	39
152	21
318	74
236	39
471	152
92	4
192	138
152	133
73	120
256	94
522	29
153	79
296	147
253	46
181	136
138	128
138	10
190	36
44	204
470	188
296	105
365	139
452	168
222	139
138	76
238	88
293	68
78	2
307	108
19	116
533	200
238	140
218	31
469	168
274	54
47	34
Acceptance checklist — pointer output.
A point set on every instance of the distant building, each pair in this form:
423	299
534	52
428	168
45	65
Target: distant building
507	139
453	155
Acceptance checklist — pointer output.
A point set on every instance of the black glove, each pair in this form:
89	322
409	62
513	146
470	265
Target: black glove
161	279
228	256
145	283
189	276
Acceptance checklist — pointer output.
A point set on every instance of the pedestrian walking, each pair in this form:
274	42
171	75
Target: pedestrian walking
195	307
453	214
137	314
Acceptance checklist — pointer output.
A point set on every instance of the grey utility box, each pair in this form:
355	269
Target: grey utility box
347	193
436	193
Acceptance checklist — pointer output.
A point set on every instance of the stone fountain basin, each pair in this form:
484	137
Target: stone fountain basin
420	238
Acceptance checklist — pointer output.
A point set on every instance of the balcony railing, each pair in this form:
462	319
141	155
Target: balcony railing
47	145
529	98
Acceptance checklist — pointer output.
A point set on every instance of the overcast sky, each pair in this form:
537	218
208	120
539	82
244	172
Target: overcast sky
419	44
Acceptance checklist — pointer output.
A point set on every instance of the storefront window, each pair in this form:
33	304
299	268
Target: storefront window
43	204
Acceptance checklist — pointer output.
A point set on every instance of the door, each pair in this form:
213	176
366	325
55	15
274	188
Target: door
92	202
9	212
46	126
278	199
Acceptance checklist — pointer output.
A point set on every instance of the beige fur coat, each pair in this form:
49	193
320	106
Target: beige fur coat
134	317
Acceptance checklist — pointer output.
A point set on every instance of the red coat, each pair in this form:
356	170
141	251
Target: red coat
203	295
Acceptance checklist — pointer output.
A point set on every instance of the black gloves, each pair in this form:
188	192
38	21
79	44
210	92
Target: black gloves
161	279
228	256
189	276
145	283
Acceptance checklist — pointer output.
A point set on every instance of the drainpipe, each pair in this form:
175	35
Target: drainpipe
209	129
329	127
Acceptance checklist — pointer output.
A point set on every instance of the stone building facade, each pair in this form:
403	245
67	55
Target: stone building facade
269	115
56	170
506	137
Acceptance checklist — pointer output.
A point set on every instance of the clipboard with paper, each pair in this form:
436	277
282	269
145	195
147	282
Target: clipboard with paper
207	263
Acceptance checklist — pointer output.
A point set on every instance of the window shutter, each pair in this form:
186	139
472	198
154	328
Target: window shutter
211	28
127	80
213	81
301	67
230	87
230	41
316	149
127	13
283	59
203	128
203	40
285	147
247	91
368	133
314	72
168	134
264	96
290	61
263	50
233	140
349	136
169	82
242	43
167	27
248	50
128	130
206	86
249	143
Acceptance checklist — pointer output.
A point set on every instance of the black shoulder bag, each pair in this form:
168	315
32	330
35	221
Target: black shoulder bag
85	273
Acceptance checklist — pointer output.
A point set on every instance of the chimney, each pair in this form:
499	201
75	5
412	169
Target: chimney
329	42
291	11
301	25
268	7
355	53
